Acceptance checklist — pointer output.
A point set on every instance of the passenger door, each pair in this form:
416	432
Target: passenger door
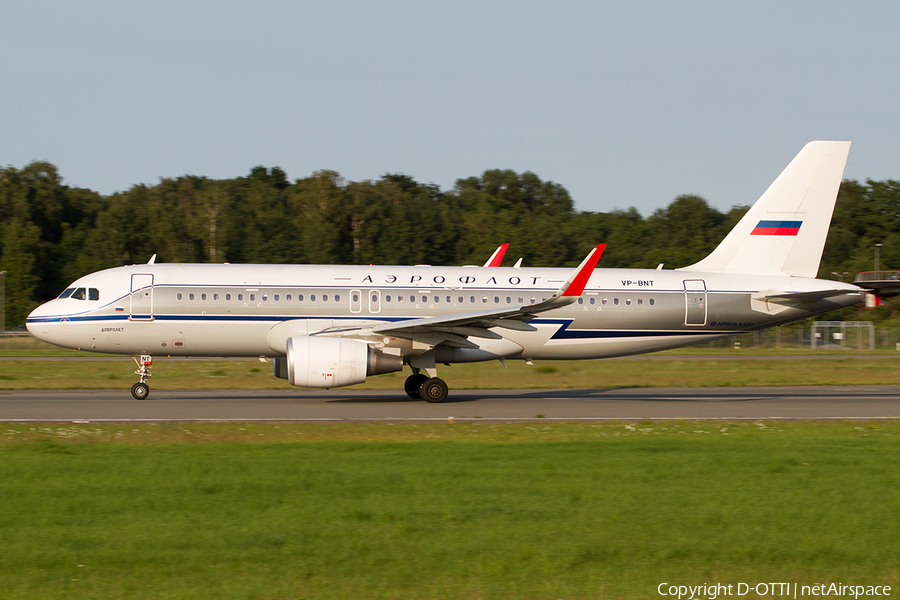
141	297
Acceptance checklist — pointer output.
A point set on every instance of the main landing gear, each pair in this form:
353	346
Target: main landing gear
421	386
141	390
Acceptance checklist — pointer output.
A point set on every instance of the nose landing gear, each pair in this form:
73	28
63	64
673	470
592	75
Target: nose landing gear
141	390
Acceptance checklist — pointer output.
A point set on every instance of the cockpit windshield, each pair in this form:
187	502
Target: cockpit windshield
81	294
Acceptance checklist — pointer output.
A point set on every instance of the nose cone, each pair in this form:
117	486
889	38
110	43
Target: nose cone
38	323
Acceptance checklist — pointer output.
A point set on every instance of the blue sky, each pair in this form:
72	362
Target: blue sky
624	104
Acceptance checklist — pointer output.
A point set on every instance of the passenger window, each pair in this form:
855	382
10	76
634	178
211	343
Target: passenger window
581	301
191	296
355	297
604	302
640	301
593	301
449	299
472	299
265	297
652	301
521	300
228	297
179	296
287	298
496	299
240	297
216	297
93	294
424	299
484	299
437	298
627	301
79	294
460	299
616	301
252	297
337	297
324	297
275	297
312	297
299	297
66	293
412	298
508	300
387	298
203	296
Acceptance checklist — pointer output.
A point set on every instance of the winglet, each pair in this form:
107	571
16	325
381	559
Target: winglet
497	257
577	282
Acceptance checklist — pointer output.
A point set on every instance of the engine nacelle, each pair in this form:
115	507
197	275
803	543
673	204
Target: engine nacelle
325	362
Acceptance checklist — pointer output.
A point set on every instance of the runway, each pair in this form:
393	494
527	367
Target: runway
826	402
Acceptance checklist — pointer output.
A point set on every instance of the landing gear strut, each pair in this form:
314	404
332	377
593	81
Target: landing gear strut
141	390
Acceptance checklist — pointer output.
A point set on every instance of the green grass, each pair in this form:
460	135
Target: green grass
169	374
474	510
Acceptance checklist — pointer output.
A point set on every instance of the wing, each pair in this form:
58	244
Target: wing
454	330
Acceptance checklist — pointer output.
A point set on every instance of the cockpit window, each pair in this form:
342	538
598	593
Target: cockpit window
67	293
93	294
79	294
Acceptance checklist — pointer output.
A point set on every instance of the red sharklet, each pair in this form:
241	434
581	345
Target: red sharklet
584	271
497	257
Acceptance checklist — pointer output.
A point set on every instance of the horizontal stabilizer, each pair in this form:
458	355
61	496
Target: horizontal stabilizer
783	297
774	302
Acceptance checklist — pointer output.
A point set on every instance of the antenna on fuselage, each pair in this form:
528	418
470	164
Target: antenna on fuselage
152	260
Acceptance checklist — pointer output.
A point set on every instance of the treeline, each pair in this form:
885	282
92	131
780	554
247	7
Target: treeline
51	234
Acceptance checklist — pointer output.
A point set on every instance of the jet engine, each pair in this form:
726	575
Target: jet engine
325	362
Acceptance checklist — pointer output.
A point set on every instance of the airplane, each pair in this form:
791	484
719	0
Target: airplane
328	326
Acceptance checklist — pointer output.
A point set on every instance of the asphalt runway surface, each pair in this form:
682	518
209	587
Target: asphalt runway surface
825	402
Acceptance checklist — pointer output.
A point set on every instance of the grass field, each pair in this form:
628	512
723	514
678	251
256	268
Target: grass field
466	510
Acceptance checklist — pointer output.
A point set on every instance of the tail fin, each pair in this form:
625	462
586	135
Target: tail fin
784	232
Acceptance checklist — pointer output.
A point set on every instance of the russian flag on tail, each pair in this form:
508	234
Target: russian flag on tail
777	228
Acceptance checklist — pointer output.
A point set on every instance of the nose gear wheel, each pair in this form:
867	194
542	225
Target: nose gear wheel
141	390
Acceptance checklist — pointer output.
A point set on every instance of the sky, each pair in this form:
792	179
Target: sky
622	103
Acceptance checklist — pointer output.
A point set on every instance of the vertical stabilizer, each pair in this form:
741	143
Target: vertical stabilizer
784	232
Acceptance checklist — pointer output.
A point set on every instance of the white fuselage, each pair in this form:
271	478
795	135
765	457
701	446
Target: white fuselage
233	310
